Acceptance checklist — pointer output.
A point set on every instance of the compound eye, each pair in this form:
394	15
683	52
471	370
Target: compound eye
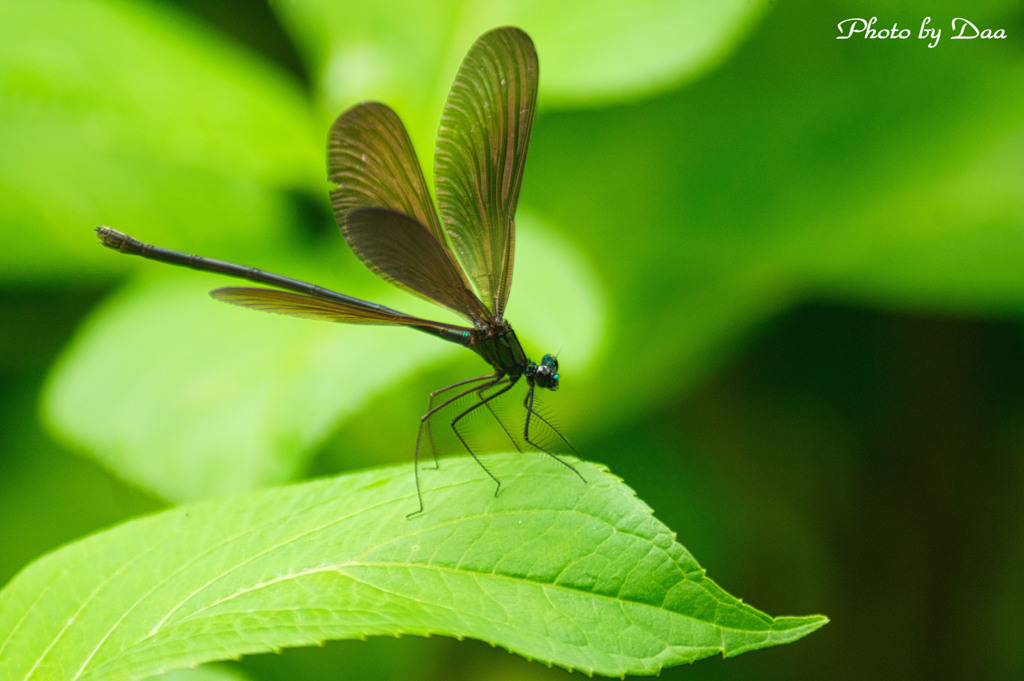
546	377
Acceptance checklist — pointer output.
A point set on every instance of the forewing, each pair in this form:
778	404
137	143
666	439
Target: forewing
341	309
404	252
481	154
371	161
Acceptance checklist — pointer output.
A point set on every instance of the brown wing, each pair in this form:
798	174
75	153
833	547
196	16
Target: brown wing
337	308
402	251
371	161
481	155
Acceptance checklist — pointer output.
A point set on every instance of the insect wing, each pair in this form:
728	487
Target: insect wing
404	252
481	154
371	161
334	309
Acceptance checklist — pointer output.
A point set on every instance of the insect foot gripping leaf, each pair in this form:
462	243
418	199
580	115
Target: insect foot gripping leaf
581	576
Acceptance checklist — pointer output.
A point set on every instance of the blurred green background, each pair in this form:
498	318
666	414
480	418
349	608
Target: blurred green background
784	275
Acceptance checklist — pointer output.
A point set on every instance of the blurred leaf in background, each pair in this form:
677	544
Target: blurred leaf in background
209	402
120	112
785	267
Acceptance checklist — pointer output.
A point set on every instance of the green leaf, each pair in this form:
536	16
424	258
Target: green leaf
210	672
570	573
222	399
594	53
130	114
863	180
590	53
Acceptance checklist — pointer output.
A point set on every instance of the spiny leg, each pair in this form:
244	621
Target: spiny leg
530	413
431	410
425	420
483	402
501	423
